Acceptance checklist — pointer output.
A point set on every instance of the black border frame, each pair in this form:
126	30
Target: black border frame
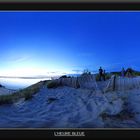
45	134
69	6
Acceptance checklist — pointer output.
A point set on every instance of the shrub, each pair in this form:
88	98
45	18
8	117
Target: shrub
137	73
28	96
26	93
116	73
45	82
52	84
1	85
50	100
107	76
5	99
85	72
97	77
64	76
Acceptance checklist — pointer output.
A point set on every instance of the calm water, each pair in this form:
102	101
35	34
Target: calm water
18	83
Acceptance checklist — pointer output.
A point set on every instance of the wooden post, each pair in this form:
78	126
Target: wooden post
114	82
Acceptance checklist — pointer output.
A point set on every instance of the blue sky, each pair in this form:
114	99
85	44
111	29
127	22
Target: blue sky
43	43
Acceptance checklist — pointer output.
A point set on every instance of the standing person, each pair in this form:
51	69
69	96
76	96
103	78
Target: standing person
100	73
104	75
123	72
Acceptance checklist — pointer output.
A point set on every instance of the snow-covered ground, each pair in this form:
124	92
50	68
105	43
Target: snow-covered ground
66	107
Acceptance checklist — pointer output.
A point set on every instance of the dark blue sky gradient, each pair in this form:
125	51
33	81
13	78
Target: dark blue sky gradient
68	41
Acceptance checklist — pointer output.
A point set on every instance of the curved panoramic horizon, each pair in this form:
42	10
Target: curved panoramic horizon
55	43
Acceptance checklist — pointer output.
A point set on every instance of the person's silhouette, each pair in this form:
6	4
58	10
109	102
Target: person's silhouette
100	73
123	72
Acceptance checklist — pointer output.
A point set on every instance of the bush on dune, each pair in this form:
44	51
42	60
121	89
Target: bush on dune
45	82
26	93
1	86
6	99
63	76
86	72
52	84
107	76
97	77
137	73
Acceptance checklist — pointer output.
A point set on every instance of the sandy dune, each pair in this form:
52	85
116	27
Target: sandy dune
5	91
67	107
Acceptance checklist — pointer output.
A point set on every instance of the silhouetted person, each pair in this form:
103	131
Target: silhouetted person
100	73
123	72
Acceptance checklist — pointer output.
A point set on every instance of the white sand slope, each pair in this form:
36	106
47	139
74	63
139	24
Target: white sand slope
63	107
67	107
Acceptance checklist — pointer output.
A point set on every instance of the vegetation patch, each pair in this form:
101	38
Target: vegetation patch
45	82
65	76
107	76
26	93
53	84
86	72
50	100
123	115
1	86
